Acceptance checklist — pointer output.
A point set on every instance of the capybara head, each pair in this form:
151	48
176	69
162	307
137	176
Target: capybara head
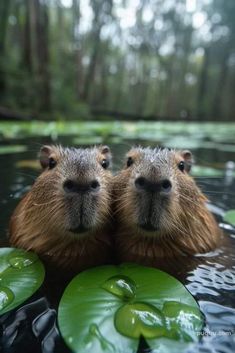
70	198
157	198
156	189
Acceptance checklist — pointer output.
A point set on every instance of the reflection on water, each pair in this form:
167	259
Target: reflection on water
210	278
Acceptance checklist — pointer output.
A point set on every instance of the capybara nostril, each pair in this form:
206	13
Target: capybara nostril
95	185
141	183
166	185
71	186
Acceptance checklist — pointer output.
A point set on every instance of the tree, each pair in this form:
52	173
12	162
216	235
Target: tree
4	12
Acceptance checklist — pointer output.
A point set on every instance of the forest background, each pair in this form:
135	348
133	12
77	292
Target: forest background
160	59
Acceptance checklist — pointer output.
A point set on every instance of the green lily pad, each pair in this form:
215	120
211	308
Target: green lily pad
88	140
229	217
21	274
199	170
29	164
12	149
108	309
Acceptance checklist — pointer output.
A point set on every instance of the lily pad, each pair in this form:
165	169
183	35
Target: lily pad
108	309
21	274
29	164
88	140
12	149
199	170
229	217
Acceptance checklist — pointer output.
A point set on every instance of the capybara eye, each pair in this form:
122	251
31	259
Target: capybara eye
129	161
105	163
52	163
181	166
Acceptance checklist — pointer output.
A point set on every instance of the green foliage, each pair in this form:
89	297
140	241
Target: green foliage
108	308
21	274
212	137
158	58
229	217
12	149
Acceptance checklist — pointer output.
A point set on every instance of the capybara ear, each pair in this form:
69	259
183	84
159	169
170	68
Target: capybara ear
44	155
188	158
105	150
106	155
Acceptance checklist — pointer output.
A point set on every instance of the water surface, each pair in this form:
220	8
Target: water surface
211	277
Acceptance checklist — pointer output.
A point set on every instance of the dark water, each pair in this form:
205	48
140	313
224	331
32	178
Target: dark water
210	278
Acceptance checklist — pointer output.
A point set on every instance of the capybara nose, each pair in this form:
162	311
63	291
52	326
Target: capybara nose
144	184
166	185
73	186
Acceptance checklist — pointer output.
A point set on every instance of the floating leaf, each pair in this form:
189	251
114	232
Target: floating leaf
150	130
108	308
88	140
21	274
27	163
199	170
229	217
12	149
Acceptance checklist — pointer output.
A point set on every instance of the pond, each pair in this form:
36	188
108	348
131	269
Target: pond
33	326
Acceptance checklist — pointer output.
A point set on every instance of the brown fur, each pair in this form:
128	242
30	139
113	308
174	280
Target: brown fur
186	227
41	220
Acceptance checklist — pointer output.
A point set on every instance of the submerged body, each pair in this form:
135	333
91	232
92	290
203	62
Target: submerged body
161	214
65	216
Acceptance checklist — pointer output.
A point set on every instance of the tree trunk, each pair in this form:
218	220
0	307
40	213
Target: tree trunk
42	52
203	84
78	51
221	83
4	12
92	66
27	48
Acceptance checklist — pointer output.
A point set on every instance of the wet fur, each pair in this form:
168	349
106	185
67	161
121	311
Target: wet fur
40	221
186	225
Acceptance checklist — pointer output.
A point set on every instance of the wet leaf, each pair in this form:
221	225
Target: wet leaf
108	308
12	149
199	170
30	164
21	274
229	217
152	131
88	140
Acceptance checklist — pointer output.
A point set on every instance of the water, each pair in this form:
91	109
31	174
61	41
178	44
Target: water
121	286
210	277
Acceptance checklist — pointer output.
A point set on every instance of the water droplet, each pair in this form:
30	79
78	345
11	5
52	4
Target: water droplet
121	286
134	320
20	260
182	319
6	297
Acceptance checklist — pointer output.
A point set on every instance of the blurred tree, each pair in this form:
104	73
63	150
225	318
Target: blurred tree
4	13
227	26
169	58
41	27
102	11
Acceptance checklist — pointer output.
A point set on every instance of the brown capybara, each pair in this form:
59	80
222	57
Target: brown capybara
160	212
65	217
